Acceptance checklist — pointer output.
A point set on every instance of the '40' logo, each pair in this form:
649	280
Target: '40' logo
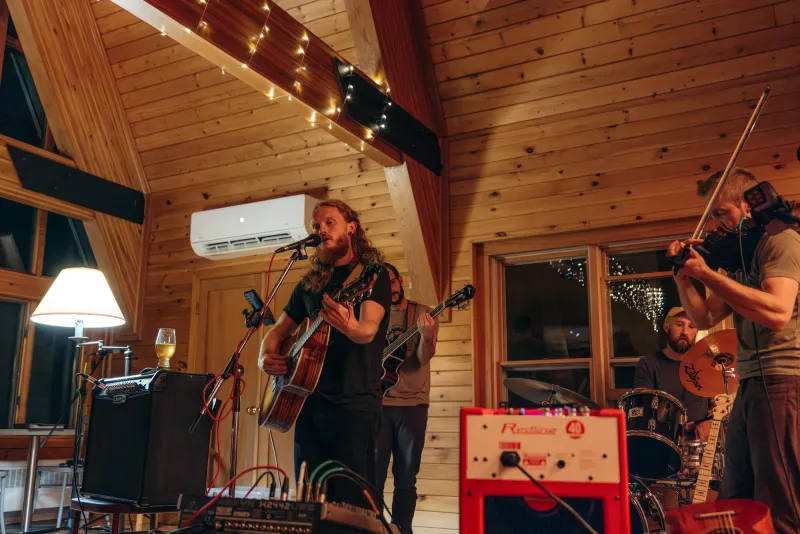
575	429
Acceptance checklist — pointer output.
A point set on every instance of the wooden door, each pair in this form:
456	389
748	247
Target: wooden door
220	328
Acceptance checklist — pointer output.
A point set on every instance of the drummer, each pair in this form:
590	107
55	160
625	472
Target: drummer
660	371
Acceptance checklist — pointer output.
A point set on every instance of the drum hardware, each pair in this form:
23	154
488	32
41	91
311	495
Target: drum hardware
545	394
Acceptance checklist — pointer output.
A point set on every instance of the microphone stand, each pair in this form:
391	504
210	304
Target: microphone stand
253	320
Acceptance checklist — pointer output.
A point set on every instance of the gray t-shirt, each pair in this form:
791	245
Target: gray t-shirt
776	256
414	378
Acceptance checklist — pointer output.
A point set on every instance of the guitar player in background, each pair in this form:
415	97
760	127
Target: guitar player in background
340	418
762	447
661	371
405	406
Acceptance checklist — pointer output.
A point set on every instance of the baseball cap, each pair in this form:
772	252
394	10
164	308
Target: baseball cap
677	310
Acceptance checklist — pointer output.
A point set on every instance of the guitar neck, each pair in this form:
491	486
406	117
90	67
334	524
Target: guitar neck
706	466
400	341
312	328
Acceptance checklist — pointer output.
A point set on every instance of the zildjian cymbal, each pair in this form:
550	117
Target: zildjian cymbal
546	394
702	366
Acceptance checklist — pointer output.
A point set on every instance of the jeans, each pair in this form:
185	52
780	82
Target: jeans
327	432
401	436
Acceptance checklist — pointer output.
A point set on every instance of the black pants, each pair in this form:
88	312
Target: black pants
753	467
402	436
326	432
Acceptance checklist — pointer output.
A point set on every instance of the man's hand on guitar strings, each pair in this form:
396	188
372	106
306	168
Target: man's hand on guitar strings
339	316
273	364
426	326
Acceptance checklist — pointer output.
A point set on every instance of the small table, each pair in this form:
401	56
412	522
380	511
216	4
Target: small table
32	465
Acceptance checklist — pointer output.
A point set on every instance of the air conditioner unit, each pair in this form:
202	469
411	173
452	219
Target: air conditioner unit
250	229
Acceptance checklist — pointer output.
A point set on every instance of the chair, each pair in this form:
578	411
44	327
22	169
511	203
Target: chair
3	477
56	469
116	510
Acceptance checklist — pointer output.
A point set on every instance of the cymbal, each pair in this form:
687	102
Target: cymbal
701	366
546	394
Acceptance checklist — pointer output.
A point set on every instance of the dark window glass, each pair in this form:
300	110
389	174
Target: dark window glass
573	378
623	376
66	245
10	341
21	112
547	309
51	374
17	234
650	261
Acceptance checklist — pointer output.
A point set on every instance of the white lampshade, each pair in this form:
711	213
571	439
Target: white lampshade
79	294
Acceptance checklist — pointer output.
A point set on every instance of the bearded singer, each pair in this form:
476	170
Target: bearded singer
762	445
340	418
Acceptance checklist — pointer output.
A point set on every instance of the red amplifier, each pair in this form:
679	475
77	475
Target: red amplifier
580	456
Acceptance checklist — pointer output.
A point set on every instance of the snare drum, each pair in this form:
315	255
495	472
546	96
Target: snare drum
655	421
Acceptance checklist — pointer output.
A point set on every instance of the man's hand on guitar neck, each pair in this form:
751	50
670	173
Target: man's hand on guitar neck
342	318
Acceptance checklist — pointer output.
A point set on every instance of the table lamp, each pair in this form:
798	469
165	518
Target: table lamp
79	298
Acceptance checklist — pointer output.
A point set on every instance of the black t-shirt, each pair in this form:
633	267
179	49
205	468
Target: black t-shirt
351	375
656	371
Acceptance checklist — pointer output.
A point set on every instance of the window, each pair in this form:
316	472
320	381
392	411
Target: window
575	310
641	292
11	321
17	233
21	112
36	361
548	330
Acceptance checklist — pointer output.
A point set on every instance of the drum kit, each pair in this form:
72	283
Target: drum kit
664	461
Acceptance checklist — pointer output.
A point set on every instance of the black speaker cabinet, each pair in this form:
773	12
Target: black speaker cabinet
138	446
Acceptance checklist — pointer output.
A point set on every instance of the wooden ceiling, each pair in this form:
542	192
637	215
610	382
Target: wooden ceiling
195	126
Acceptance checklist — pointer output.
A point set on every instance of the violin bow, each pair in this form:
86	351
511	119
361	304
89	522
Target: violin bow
751	124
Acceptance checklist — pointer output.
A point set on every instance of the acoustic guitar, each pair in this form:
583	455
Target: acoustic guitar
395	353
734	516
285	395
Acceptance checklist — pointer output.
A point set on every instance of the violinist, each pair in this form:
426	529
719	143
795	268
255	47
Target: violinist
762	448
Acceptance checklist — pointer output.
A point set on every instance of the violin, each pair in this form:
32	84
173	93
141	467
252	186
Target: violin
723	248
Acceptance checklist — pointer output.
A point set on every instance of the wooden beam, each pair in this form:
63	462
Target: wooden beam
11	188
67	59
418	195
23	286
289	64
3	31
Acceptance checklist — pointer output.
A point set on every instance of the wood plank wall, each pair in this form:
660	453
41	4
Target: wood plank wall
573	114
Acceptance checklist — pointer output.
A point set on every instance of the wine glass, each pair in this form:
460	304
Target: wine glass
165	346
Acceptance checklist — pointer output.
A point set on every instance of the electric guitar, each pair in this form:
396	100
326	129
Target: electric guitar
285	395
741	516
722	407
395	353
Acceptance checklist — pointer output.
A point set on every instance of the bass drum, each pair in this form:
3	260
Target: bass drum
647	515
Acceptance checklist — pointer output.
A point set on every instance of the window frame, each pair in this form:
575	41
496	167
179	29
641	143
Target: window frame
489	320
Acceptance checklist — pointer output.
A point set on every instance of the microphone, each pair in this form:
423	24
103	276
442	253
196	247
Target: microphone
311	241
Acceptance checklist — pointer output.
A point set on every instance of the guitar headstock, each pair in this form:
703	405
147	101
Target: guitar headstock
361	287
722	406
460	297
